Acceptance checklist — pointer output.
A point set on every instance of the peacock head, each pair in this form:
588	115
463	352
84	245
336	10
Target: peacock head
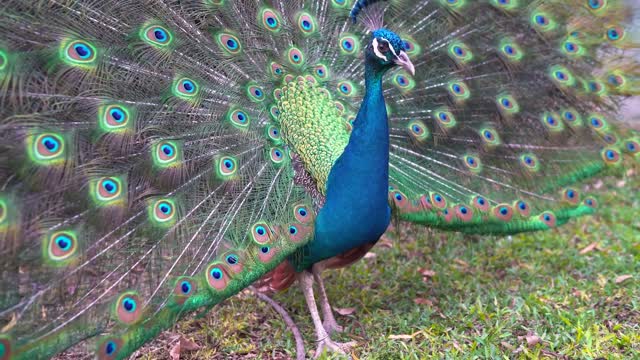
386	50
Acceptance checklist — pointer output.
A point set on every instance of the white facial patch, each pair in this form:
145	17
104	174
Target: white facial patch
376	51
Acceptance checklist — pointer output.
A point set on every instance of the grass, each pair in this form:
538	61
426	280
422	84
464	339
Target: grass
541	295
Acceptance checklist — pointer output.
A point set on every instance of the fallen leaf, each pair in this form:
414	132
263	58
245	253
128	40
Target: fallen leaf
532	339
370	255
188	344
182	344
385	242
457	345
461	262
507	346
423	301
589	248
620	279
174	353
598	184
345	311
400	337
426	272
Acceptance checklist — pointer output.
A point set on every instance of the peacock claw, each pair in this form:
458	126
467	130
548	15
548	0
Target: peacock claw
334	347
332	327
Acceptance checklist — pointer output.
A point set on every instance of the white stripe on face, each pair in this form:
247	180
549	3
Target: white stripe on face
376	51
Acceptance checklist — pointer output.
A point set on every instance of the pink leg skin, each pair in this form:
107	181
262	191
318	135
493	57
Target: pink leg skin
330	324
305	280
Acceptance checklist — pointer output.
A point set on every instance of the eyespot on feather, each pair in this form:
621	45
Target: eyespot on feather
109	348
548	218
503	212
217	276
128	308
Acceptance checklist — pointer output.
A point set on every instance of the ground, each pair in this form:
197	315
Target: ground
569	293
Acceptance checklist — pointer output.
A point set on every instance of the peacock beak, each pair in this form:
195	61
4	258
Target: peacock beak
403	60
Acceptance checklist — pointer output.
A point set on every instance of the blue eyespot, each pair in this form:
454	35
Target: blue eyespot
129	304
541	20
504	211
188	86
293	230
551	121
82	51
160	35
569	116
509	49
50	143
611	155
463	210
481	201
167	149
398	197
347	45
165	208
216	273
260	230
117	115
185	287
110	186
228	164
63	242
265	249
232	259
110	348
232	44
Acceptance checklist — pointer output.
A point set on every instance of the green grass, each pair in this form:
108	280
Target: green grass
488	294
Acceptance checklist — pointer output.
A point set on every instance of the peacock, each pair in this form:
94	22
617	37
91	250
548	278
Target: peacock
159	156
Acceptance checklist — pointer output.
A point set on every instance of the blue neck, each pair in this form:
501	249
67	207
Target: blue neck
356	210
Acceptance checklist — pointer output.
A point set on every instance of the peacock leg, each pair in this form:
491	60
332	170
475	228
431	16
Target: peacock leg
305	279
329	321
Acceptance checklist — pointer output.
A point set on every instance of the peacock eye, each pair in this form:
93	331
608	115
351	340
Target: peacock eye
383	46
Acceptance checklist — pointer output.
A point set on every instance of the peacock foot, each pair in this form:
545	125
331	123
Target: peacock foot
332	346
331	326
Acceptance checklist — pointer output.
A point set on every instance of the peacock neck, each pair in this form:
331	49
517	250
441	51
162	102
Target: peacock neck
356	211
